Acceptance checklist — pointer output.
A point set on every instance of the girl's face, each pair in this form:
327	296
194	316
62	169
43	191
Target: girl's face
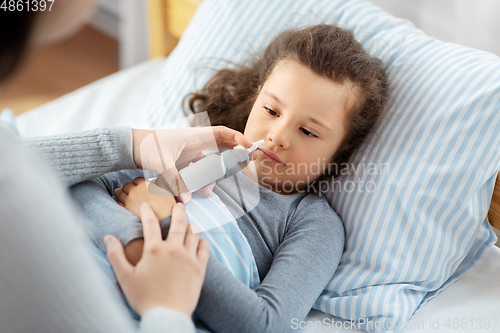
300	116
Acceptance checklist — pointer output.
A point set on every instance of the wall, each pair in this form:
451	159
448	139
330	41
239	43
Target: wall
472	23
125	20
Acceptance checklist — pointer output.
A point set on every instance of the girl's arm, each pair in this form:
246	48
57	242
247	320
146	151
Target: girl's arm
131	195
298	274
101	214
302	266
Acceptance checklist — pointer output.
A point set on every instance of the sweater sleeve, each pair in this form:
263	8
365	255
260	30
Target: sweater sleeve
165	320
86	155
102	215
48	280
304	262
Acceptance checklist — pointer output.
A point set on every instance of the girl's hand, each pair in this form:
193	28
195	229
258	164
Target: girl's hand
167	151
170	273
132	195
133	250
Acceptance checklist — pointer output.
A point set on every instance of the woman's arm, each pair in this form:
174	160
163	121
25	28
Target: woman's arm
86	155
48	280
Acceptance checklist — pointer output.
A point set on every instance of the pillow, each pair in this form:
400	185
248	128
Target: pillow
415	206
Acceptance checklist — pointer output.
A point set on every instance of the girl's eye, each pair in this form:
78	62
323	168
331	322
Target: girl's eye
270	111
306	132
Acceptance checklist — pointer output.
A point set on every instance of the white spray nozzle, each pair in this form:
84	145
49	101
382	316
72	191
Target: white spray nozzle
255	145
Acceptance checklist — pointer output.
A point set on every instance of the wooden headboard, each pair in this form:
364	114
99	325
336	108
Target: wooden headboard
167	21
169	18
494	212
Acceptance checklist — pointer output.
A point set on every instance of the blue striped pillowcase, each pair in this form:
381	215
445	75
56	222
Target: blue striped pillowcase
416	219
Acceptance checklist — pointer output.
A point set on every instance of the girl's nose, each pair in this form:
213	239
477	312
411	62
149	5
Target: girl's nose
278	135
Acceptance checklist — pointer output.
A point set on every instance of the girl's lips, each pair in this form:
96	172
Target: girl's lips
270	156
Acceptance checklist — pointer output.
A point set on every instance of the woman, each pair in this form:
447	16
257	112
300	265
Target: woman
48	281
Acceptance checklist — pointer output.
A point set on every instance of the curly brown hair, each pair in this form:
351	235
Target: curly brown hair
327	50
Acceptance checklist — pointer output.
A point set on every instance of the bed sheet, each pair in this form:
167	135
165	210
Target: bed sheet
466	306
111	101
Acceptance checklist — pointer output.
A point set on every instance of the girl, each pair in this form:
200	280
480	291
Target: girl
313	96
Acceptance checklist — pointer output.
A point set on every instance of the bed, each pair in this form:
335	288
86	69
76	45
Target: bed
113	100
469	303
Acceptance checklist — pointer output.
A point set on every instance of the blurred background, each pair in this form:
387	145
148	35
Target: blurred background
100	37
76	43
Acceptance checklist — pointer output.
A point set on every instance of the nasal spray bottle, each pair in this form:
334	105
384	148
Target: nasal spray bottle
214	166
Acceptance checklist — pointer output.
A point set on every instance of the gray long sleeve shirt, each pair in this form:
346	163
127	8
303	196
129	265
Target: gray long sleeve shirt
48	280
297	241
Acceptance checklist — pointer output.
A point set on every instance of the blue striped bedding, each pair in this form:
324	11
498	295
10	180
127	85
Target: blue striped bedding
415	212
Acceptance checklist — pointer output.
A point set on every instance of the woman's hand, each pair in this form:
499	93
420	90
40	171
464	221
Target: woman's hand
170	273
167	151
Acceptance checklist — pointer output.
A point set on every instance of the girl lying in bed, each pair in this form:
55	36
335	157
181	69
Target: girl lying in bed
313	95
